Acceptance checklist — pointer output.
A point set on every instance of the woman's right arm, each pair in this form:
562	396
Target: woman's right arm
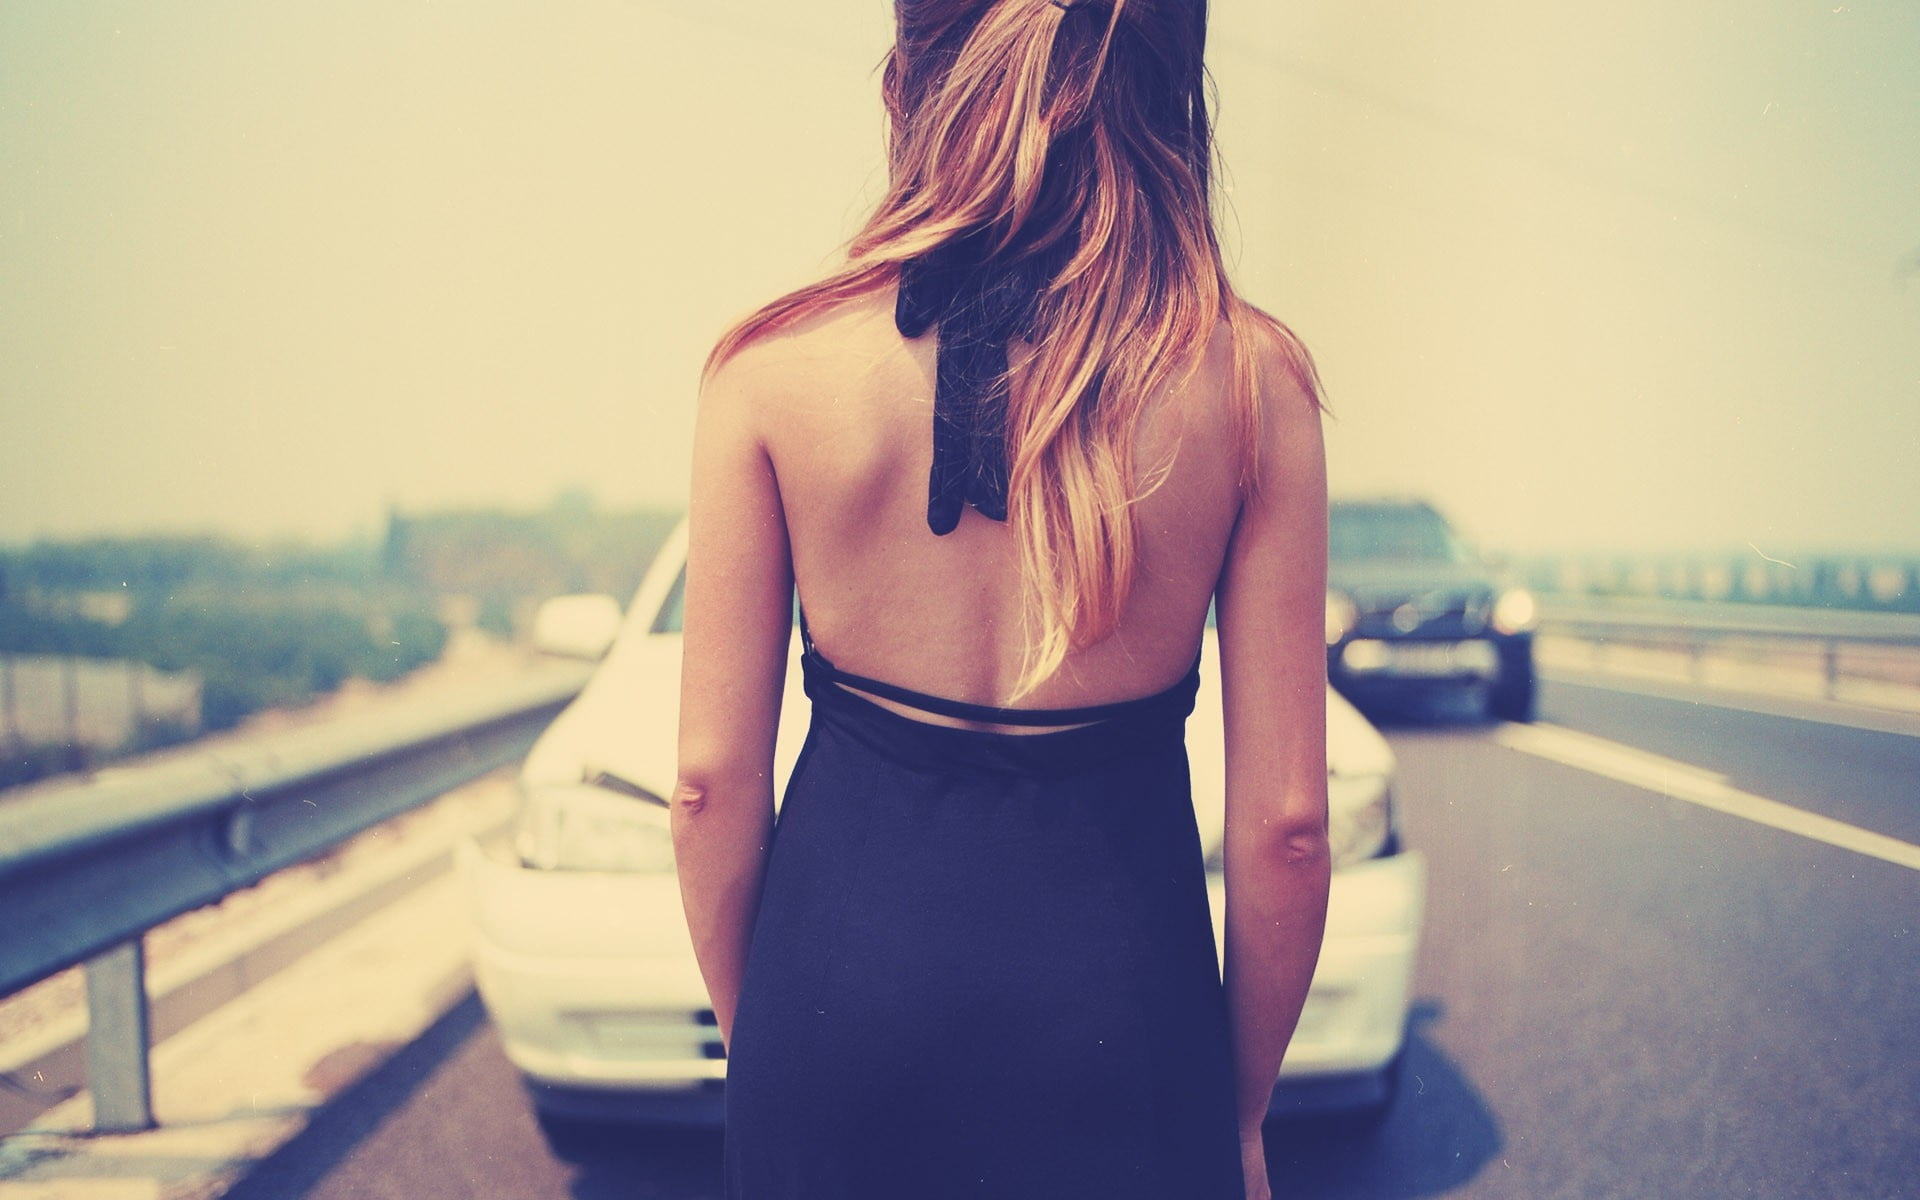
1271	614
738	620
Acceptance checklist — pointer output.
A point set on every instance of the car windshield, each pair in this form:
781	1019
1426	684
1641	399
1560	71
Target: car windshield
1396	531
674	610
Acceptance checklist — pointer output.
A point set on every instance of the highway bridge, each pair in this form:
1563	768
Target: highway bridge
1671	951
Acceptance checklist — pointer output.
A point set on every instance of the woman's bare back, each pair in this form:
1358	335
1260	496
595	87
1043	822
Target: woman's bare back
845	414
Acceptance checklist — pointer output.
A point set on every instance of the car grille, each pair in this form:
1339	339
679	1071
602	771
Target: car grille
1435	614
1440	613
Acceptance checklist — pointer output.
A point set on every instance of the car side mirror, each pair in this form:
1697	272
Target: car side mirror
576	626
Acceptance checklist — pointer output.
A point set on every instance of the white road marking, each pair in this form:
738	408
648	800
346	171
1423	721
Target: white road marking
1797	707
1697	785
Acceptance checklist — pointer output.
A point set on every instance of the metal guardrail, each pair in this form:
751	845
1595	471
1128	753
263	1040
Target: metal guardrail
1697	626
1743	576
87	868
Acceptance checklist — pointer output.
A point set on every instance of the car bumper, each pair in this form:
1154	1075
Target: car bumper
590	977
1355	1019
591	981
1411	660
1372	666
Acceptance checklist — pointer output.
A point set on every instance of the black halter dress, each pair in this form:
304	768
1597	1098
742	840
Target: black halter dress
983	964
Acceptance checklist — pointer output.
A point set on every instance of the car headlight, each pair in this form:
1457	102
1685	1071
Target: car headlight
1341	616
1359	817
1515	611
593	827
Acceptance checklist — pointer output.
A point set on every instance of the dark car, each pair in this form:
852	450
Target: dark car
1410	608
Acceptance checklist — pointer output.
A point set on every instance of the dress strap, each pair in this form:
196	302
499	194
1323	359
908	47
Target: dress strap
1176	699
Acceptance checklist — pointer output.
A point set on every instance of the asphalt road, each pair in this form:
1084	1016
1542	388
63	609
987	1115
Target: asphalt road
1621	994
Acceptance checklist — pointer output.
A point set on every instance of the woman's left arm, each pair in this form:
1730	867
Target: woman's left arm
739	606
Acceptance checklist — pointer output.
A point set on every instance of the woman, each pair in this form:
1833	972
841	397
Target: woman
1008	455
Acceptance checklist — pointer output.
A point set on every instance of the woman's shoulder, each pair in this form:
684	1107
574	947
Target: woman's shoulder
1281	362
1288	400
1250	348
818	343
835	366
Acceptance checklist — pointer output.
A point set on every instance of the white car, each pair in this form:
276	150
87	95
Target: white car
581	953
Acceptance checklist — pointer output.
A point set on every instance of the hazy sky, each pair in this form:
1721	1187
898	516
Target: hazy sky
1638	275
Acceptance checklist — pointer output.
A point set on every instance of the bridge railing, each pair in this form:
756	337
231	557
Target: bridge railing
87	867
1697	627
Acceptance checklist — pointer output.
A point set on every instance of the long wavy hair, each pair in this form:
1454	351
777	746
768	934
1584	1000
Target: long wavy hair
1080	131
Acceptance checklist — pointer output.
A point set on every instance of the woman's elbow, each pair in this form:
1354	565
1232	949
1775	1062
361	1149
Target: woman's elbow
1305	846
703	795
689	796
712	769
1294	841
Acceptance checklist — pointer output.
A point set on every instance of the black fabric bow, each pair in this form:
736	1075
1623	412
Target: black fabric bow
979	302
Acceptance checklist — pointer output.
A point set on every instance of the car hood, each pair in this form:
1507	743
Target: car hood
626	723
1404	576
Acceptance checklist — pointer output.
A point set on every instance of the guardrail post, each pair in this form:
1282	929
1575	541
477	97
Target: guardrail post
117	1039
1833	669
9	706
